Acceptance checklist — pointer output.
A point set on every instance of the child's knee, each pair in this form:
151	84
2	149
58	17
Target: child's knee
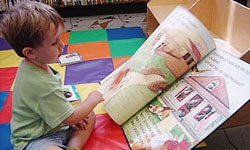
52	147
92	117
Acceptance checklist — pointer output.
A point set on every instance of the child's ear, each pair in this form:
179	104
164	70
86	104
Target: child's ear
29	52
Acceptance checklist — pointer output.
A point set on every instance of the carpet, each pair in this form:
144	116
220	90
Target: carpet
103	50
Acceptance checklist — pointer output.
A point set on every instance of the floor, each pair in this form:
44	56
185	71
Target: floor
105	21
237	138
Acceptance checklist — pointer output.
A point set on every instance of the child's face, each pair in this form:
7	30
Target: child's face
51	48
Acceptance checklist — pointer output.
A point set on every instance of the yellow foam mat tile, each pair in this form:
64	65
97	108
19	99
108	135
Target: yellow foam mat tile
12	86
9	58
60	69
202	144
84	90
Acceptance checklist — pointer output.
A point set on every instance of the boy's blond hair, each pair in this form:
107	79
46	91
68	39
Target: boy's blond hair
27	23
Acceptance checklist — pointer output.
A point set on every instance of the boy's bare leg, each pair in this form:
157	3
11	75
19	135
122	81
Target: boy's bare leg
79	137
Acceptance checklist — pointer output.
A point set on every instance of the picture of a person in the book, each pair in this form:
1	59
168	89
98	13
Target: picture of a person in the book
42	119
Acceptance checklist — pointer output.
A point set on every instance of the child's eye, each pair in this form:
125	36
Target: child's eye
55	42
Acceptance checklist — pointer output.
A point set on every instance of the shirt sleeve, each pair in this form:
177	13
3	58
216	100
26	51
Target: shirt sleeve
53	108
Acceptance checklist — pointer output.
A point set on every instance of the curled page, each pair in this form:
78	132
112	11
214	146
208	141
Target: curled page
171	50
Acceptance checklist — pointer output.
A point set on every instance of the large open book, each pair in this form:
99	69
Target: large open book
177	88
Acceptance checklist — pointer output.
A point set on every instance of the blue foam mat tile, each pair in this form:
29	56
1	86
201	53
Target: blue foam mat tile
5	137
125	33
3	96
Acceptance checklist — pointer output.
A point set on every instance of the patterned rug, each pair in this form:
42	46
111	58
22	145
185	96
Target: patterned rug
105	22
103	50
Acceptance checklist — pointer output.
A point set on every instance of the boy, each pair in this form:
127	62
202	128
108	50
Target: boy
41	117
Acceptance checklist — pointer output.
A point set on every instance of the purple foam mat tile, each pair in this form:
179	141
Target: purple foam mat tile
65	48
92	71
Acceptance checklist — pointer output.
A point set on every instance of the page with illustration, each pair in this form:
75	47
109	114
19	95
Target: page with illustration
193	107
171	50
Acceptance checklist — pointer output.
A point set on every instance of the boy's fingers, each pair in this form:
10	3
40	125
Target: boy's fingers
75	127
86	121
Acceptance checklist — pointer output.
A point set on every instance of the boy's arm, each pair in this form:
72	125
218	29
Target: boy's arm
82	110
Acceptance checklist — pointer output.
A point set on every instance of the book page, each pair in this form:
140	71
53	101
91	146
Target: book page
194	106
176	45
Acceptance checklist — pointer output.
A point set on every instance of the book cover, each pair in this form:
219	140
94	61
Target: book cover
71	94
70	58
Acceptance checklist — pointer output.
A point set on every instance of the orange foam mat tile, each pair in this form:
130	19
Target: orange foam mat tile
119	61
107	135
92	50
65	37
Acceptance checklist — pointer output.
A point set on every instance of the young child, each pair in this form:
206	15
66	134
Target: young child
41	117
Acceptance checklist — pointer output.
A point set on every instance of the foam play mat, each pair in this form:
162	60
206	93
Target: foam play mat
103	51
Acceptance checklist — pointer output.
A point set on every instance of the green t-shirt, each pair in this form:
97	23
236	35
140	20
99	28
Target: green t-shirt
38	105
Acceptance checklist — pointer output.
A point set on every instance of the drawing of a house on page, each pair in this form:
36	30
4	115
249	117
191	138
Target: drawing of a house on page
200	102
206	103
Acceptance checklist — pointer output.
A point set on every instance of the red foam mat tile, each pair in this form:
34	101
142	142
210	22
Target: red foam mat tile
107	135
5	114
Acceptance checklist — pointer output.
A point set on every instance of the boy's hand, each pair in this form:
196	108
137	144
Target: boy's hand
82	125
